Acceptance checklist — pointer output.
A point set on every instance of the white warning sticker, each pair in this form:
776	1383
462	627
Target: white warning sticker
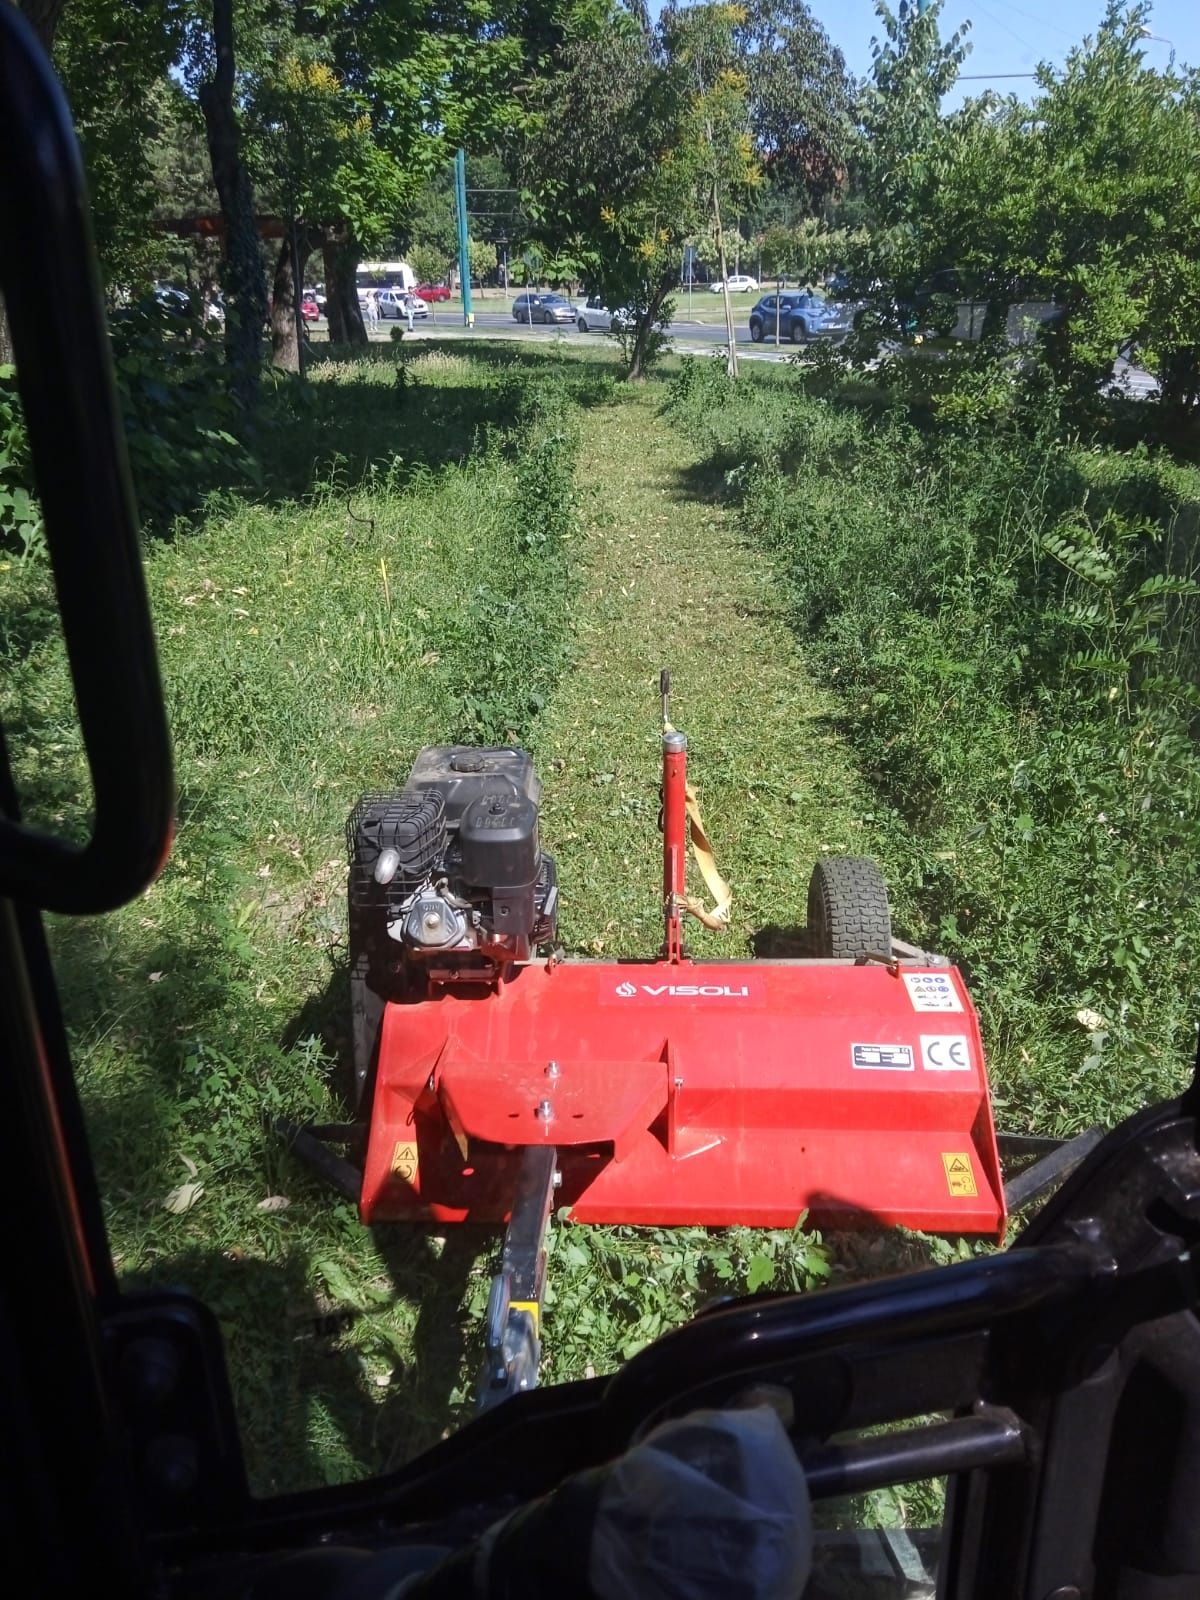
931	991
883	1057
945	1052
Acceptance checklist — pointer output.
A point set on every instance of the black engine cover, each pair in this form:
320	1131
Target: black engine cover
491	810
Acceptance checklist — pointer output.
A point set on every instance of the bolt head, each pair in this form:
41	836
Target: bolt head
545	1112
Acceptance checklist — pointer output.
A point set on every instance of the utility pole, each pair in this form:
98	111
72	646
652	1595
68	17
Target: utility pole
464	248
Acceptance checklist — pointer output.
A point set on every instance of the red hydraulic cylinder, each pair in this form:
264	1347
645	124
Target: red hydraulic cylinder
674	787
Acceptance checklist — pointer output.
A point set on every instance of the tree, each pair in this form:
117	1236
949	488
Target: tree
319	163
659	136
245	299
1088	197
430	231
900	110
114	64
481	258
716	144
800	98
434	75
902	152
43	16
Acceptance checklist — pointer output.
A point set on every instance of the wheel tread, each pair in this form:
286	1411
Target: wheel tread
848	911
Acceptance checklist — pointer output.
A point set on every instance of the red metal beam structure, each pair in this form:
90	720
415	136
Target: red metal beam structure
692	1092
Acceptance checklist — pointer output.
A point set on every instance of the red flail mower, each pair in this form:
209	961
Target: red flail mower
498	1081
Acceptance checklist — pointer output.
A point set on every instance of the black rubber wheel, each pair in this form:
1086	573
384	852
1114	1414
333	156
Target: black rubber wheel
756	332
799	336
848	911
581	325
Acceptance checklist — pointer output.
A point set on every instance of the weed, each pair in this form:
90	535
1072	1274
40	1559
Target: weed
1010	620
309	646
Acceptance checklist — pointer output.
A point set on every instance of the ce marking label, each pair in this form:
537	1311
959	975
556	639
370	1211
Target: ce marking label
945	1052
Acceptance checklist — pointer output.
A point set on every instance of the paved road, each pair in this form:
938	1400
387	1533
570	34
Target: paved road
682	327
687	335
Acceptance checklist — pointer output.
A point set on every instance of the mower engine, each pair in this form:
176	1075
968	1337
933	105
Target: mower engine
448	882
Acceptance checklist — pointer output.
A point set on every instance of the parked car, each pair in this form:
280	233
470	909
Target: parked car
801	316
533	308
433	293
177	302
309	309
393	303
596	317
739	283
183	304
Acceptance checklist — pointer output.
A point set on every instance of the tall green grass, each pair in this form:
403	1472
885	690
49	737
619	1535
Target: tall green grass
407	579
1011	619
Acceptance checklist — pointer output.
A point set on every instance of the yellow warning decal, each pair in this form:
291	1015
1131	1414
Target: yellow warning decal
534	1310
404	1162
960	1180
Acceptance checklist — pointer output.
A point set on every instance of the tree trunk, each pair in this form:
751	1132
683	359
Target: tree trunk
42	16
285	331
645	327
341	289
245	290
731	365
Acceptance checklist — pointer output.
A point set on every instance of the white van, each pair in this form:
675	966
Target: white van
384	275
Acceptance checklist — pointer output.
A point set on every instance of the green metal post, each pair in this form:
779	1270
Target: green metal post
464	249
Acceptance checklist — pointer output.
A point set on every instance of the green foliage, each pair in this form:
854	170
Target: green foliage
1012	624
183	428
660	135
900	110
182	423
799	95
1086	197
808	250
314	153
20	520
113	62
623	1287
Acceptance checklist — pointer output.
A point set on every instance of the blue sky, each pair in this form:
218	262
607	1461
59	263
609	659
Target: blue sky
1013	35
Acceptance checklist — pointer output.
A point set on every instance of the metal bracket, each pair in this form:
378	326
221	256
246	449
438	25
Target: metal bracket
514	1312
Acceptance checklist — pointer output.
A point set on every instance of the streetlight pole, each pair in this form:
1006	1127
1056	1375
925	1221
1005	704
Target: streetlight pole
464	248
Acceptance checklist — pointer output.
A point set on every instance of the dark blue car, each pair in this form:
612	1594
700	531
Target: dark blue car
800	316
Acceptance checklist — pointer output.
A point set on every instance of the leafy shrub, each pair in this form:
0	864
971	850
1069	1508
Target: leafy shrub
181	419
181	425
1011	621
20	520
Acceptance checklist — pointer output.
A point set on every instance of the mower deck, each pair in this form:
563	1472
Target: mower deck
677	1092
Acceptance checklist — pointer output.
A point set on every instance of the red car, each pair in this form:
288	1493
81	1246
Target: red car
433	291
309	309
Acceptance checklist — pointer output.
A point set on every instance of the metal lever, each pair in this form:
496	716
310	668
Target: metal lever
64	373
514	1310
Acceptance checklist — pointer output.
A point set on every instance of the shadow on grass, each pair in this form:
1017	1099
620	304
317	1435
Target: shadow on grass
350	422
309	1410
346	1347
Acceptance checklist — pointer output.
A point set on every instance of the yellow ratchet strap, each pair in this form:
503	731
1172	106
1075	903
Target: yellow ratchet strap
718	918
